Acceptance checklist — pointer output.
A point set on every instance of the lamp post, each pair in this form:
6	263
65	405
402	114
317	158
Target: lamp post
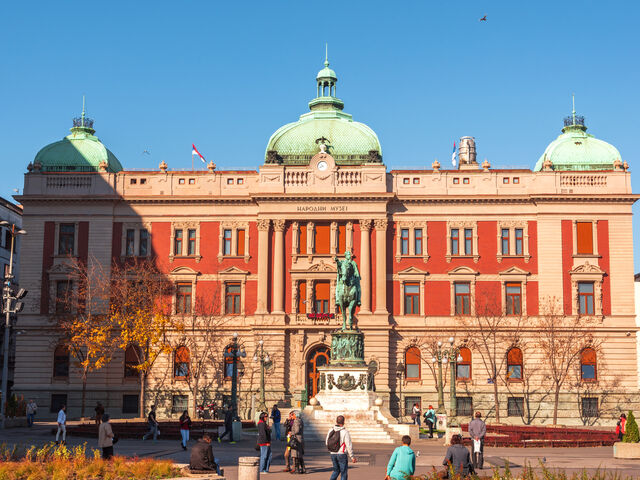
11	305
235	353
264	360
400	374
449	354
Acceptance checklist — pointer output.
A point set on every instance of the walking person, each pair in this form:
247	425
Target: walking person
338	442
457	459
296	443
430	419
185	427
105	437
228	425
99	412
153	424
621	426
288	424
415	414
402	464
275	418
62	425
477	432
32	409
264	442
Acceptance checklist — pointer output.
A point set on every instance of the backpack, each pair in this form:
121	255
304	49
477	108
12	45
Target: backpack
333	442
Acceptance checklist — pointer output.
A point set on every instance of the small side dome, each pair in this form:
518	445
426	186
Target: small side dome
81	151
577	150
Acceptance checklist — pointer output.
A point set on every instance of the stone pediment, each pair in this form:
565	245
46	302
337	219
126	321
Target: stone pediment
233	271
322	267
514	271
586	267
412	271
462	271
60	269
184	271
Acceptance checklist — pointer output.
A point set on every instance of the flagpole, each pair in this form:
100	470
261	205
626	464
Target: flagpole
192	167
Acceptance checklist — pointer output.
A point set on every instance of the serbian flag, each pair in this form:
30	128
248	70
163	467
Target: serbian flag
453	155
196	152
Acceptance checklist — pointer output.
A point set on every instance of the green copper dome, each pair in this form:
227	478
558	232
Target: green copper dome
348	142
575	149
81	151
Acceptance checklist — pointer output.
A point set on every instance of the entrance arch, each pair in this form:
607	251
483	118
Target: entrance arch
317	357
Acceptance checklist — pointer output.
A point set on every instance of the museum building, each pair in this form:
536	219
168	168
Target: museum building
433	247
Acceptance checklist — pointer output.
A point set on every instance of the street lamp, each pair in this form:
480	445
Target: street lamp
235	352
400	374
11	305
452	355
264	360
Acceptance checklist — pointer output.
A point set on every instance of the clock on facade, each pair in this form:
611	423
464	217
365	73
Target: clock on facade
322	166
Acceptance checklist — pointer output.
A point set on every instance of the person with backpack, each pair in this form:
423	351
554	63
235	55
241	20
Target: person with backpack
338	442
402	464
430	419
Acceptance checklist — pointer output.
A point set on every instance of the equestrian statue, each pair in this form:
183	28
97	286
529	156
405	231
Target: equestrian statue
347	289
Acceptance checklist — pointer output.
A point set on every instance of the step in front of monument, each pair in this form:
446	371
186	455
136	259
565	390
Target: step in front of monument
364	429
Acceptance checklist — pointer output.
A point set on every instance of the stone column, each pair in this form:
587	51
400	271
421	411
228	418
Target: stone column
263	264
365	265
278	267
381	265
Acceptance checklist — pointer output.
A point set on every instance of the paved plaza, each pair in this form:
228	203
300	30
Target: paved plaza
372	459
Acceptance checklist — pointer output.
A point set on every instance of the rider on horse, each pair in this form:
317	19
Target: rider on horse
347	289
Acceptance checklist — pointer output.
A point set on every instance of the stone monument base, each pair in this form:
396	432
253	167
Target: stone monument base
344	389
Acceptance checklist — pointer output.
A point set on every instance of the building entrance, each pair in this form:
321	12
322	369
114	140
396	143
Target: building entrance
317	357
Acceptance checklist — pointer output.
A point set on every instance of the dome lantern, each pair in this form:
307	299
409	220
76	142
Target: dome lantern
326	88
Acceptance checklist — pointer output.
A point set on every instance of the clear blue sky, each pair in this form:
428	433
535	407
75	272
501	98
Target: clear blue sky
224	75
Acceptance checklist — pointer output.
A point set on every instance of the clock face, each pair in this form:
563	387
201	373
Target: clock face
322	166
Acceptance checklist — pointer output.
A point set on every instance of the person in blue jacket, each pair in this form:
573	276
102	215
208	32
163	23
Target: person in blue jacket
403	461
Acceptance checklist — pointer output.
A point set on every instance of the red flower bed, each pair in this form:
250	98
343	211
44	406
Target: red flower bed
538	436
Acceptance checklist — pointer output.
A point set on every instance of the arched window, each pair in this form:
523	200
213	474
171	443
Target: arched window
132	358
514	364
61	362
463	368
181	362
588	365
412	363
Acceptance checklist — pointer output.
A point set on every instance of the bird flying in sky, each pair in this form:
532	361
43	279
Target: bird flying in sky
483	19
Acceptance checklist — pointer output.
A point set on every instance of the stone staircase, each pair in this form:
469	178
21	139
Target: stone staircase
363	426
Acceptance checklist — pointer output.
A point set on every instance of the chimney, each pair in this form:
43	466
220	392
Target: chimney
467	154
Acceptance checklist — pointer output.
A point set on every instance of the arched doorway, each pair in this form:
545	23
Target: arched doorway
317	357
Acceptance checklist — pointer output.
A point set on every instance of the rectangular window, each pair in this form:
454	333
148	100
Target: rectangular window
418	241
505	180
177	242
463	298
465	180
584	231
588	372
143	248
303	239
57	400
456	181
342	238
468	241
226	245
183	298
240	243
229	181
463	371
302	297
505	241
66	238
130	404
455	241
585	298
405	181
515	406
516	179
412	299
232	299
130	242
514	298
519	241
464	406
191	242
321	297
404	241
416	181
179	403
322	240
589	407
64	290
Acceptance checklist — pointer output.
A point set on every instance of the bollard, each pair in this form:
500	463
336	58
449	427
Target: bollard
248	468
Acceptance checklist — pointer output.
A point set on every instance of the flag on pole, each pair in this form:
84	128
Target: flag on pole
453	155
196	152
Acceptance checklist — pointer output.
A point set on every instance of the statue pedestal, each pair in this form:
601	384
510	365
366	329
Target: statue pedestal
344	389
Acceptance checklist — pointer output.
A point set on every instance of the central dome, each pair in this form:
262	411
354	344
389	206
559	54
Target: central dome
348	142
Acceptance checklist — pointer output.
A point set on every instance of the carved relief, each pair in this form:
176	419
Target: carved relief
263	224
365	225
278	225
322	267
381	223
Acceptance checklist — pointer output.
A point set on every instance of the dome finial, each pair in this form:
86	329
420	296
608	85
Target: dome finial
573	111
82	117
326	54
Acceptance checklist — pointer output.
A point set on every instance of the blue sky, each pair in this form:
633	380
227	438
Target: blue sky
224	75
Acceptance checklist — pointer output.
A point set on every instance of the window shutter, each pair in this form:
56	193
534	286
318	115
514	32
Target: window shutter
240	249
584	232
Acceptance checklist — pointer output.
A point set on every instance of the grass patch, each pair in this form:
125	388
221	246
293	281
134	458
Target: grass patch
53	462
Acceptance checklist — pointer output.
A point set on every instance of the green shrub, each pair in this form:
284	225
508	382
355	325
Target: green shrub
632	434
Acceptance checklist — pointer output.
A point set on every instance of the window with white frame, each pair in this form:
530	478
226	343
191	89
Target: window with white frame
411	282
136	240
185	240
233	240
513	240
586	289
463	290
462	240
233	284
66	239
411	240
513	282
